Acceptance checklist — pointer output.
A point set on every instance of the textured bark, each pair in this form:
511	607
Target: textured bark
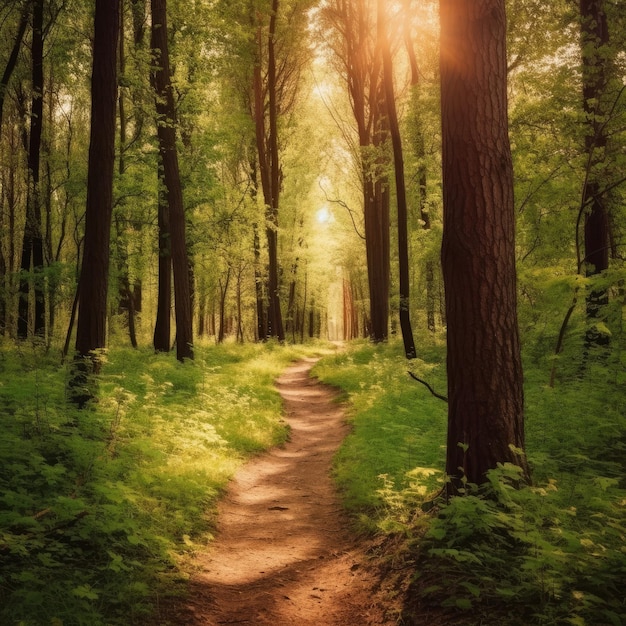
91	331
398	160
485	393
166	130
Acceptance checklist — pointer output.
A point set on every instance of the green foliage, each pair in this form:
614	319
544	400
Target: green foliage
551	553
387	464
527	556
99	507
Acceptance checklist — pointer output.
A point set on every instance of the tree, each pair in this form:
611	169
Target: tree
13	58
166	130
398	160
10	66
94	277
596	80
162	326
418	128
354	45
32	247
486	413
268	158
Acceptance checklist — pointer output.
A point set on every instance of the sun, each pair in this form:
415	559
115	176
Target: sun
324	216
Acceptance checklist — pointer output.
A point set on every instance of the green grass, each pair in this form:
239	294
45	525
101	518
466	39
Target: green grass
98	508
548	554
397	445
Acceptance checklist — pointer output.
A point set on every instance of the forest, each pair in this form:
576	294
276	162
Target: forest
427	196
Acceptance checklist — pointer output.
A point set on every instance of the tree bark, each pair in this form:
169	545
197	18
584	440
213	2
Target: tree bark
166	130
259	283
420	154
269	165
361	64
398	159
223	286
94	277
485	417
162	327
32	248
594	44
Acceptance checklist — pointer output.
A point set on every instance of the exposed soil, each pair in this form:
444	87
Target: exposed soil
284	553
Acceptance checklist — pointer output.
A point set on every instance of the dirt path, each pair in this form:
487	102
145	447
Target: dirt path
283	553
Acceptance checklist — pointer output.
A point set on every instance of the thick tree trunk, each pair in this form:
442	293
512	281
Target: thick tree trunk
94	278
166	130
485	417
398	159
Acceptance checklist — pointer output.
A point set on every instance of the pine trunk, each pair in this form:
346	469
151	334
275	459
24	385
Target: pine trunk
485	411
94	278
166	131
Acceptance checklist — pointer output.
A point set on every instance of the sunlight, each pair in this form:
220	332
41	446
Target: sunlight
324	216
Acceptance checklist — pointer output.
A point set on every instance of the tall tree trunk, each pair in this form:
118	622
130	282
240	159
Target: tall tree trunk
595	73
32	249
376	214
420	154
259	282
485	411
398	159
362	67
269	165
126	292
94	276
166	130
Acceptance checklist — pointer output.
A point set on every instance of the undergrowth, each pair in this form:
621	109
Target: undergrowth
548	554
99	507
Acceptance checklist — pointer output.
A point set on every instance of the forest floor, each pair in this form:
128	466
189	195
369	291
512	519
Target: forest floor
284	552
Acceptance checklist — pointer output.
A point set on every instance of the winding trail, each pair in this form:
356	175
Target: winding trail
284	554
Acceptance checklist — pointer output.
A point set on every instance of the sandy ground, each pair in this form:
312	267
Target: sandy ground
284	553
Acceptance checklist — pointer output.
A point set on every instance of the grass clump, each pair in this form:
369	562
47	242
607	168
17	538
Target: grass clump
99	507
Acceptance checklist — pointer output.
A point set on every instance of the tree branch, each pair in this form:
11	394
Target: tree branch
419	380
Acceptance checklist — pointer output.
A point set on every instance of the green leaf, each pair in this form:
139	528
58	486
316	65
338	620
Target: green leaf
463	603
85	591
